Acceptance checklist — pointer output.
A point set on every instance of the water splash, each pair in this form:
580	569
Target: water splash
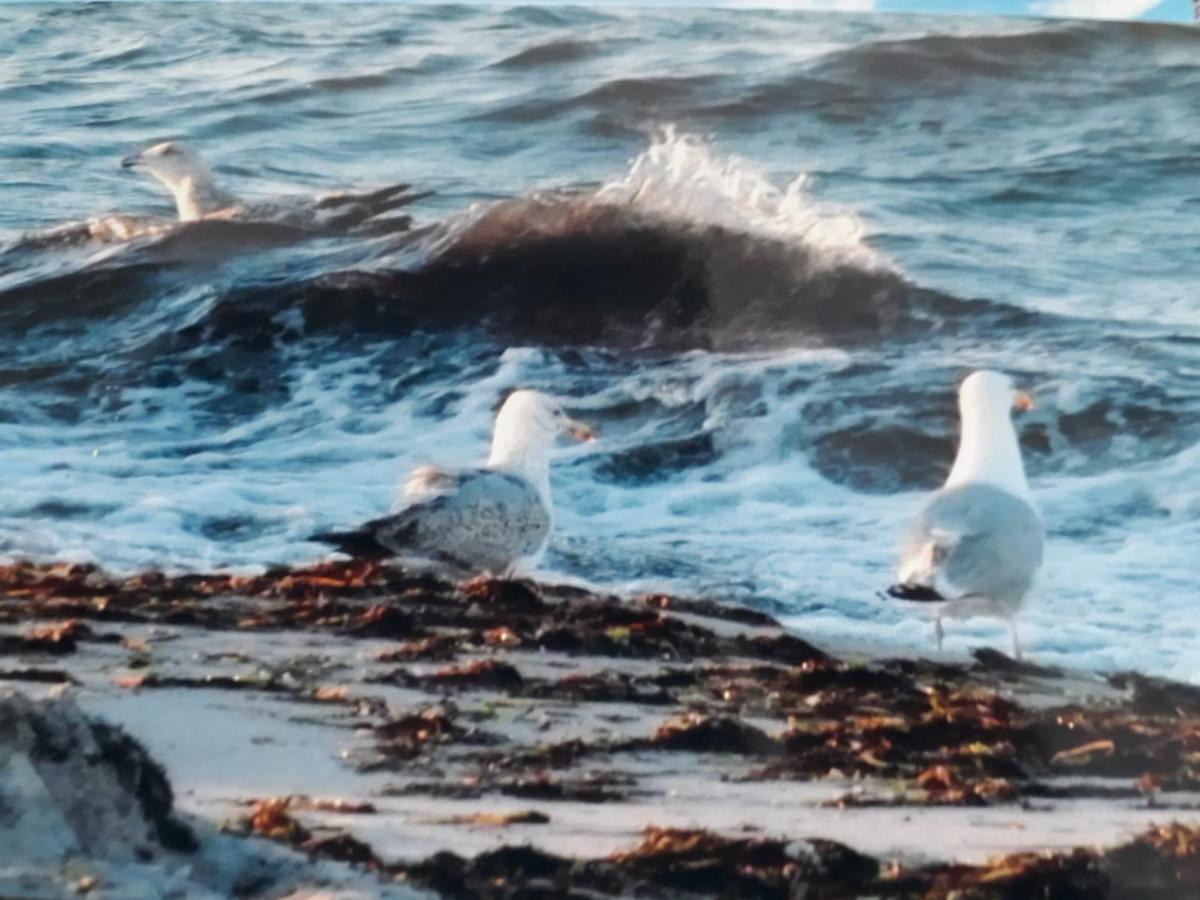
682	177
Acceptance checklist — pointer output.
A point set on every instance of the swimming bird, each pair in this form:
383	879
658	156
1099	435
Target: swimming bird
977	544
198	197
494	519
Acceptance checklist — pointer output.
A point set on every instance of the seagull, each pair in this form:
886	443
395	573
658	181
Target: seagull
977	544
494	519
198	197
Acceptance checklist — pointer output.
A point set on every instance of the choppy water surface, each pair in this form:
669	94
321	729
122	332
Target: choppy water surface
757	249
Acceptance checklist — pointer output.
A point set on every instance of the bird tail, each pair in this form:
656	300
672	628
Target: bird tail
377	201
918	593
351	210
359	544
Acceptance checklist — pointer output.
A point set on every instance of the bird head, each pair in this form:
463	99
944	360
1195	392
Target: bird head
170	162
530	421
994	391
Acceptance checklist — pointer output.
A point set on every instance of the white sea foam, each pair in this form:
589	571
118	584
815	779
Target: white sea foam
773	527
681	177
759	520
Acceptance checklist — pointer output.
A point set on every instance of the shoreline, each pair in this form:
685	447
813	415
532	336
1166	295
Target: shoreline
421	718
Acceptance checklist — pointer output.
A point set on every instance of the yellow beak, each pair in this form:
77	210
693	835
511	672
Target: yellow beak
1022	401
580	431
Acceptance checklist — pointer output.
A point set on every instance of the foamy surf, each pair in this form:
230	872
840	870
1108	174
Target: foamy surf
766	310
682	177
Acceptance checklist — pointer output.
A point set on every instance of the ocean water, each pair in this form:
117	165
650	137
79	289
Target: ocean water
758	250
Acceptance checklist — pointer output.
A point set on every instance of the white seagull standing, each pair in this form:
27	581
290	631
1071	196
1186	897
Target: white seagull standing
977	544
493	519
198	197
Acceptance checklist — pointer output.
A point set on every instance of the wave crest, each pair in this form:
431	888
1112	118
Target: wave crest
687	247
680	177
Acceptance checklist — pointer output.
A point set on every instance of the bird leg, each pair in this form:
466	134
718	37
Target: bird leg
939	633
1016	639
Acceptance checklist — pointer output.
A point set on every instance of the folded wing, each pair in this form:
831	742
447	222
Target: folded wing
974	541
476	520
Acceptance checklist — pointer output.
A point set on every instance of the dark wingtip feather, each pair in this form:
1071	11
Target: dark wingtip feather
918	593
360	544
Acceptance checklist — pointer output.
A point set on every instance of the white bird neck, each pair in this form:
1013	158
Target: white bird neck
989	452
530	463
196	196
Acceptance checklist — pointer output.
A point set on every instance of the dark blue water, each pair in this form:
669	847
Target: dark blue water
757	249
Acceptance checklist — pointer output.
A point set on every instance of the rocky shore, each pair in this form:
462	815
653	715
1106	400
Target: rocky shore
500	739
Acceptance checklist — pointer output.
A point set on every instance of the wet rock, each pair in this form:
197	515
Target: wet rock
342	848
57	640
215	682
496	820
709	864
541	786
513	596
1162	863
407	737
603	687
944	673
318	804
592	790
710	609
85	810
783	648
704	734
1159	696
620	630
39	676
72	785
988	659
435	647
1071	875
946	785
557	755
672	862
273	819
488	673
382	621
515	872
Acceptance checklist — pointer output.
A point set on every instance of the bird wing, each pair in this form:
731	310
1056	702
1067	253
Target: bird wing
371	202
974	540
477	519
925	554
330	212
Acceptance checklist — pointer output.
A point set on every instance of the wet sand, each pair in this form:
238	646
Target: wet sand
517	739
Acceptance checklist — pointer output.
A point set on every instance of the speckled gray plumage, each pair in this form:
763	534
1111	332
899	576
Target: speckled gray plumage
479	520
